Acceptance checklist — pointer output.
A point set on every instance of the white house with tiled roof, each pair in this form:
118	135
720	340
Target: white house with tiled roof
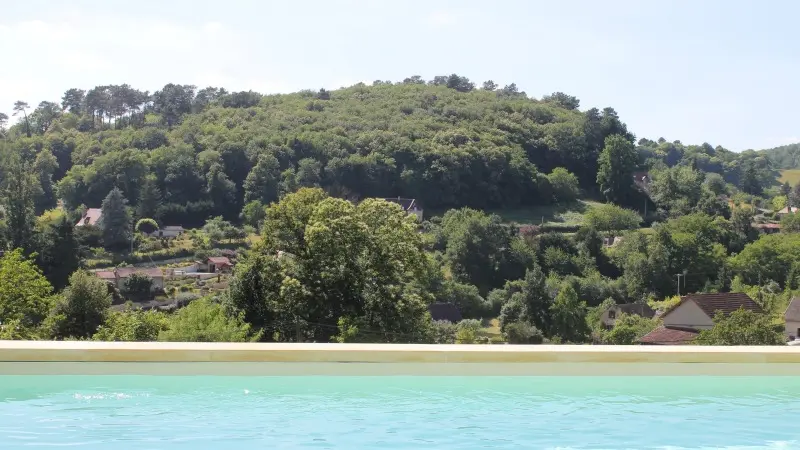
694	313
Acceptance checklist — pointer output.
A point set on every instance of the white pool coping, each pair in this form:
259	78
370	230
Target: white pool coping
165	358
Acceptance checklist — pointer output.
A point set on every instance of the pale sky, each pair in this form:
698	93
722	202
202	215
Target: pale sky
719	71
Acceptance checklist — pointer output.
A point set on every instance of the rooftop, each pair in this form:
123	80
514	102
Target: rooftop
639	309
219	260
90	217
792	313
727	302
669	336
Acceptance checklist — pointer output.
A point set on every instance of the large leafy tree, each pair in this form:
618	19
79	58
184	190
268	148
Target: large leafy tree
173	101
44	115
616	166
261	183
526	301
132	325
149	199
45	166
743	327
83	308
203	320
19	189
569	316
338	261
482	250
72	100
611	218
221	190
115	221
25	294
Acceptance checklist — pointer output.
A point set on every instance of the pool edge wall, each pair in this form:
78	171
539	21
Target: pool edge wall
163	358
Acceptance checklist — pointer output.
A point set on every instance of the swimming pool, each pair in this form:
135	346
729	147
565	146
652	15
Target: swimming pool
99	395
405	412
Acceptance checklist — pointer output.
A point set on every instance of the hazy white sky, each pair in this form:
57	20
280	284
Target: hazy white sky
717	71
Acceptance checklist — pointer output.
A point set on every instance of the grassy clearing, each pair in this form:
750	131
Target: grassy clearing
491	330
569	215
790	175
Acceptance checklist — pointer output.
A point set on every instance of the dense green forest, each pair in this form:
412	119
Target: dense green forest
784	157
283	181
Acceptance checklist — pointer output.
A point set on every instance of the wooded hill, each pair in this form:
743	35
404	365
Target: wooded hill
182	155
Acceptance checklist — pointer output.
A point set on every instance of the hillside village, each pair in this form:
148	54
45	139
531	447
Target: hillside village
411	211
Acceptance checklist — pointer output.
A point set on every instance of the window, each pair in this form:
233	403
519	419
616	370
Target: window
612	314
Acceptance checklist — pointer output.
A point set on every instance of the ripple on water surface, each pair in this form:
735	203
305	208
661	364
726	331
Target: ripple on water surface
140	412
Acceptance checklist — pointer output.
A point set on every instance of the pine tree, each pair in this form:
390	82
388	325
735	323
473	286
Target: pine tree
115	221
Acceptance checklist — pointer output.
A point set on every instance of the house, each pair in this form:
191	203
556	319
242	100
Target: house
447	312
694	313
697	310
90	217
409	205
768	228
787	210
119	275
792	318
214	264
610	315
168	232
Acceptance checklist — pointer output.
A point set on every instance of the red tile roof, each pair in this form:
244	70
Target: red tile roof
669	336
725	302
219	260
105	274
90	217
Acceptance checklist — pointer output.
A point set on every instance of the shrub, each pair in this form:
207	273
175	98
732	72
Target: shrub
184	298
443	332
523	333
138	286
467	331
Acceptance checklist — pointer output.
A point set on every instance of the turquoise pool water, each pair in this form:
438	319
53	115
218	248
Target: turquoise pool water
154	412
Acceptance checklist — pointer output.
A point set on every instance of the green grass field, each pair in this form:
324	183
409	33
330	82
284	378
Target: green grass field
569	215
790	175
